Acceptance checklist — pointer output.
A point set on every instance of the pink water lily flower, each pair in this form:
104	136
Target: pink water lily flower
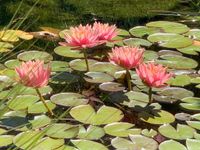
126	56
153	75
33	73
105	32
81	37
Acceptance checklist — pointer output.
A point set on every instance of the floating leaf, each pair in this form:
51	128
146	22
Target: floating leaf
92	133
86	145
177	62
34	55
69	99
181	133
98	77
5	140
68	52
12	63
181	80
170	40
192	144
140	31
62	130
22	102
170	27
168	145
157	117
40	121
40	108
105	115
149	133
111	87
80	65
138	142
121	129
190	103
59	66
137	42
191	50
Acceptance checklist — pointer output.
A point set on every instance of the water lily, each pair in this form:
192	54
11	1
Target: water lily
34	74
153	75
105	31
127	57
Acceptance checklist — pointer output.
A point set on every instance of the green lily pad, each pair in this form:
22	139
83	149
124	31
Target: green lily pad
121	129
195	80
12	63
140	31
6	140
111	87
39	107
2	131
98	77
150	55
170	40
31	91
66	147
64	78
168	145
157	117
59	66
9	36
22	102
170	27
68	52
105	115
181	133
176	92
86	145
194	124
106	67
191	50
191	103
69	99
62	130
137	42
177	62
149	133
192	144
181	80
48	144
5	47
34	55
80	65
194	34
169	52
40	121
91	133
138	142
26	139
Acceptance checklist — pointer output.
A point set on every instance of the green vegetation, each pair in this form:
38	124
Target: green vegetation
62	13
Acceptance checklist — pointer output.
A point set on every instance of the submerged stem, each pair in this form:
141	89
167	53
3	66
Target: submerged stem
150	95
86	60
43	101
128	78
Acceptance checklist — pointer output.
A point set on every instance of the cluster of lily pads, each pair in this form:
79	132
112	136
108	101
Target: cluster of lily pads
93	110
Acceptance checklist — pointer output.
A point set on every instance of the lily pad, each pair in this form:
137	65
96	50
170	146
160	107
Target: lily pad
62	130
111	87
140	31
5	140
68	52
22	102
40	121
137	42
98	77
194	34
192	144
80	65
170	27
191	103
177	62
64	78
170	40
59	66
39	107
86	145
69	99
157	117
181	133
105	115
91	133
34	55
168	145
12	63
138	142
149	133
181	80
121	129
191	50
